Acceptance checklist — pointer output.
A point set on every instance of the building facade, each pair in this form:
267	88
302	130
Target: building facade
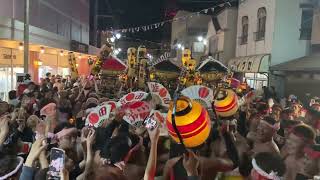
56	28
269	33
185	32
222	35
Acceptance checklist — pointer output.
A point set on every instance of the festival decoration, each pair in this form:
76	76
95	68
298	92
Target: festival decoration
132	97
136	112
212	70
161	119
226	103
104	54
186	56
73	65
165	56
202	94
161	92
98	115
113	105
192	121
157	25
131	63
189	76
142	66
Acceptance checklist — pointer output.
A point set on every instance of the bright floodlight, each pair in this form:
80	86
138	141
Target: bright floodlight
118	35
112	39
205	42
179	46
200	38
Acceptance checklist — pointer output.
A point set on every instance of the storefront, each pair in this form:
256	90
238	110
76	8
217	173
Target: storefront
42	59
301	76
53	63
253	68
11	63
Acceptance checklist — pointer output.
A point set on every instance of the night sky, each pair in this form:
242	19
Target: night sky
130	13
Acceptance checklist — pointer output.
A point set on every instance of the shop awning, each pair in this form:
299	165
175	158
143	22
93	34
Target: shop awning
306	63
250	64
113	64
212	65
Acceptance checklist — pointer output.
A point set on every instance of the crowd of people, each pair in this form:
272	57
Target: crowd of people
266	139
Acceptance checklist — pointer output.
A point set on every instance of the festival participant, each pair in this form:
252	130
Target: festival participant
13	100
264	142
37	148
67	140
276	112
300	137
311	164
64	106
208	167
267	166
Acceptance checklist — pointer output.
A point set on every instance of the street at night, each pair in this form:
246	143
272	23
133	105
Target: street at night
159	90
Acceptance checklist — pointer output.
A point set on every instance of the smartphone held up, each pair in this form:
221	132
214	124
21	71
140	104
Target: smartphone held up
57	160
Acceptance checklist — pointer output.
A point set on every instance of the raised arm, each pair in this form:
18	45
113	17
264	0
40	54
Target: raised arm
152	160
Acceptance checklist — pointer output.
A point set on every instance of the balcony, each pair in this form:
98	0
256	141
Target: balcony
305	33
259	36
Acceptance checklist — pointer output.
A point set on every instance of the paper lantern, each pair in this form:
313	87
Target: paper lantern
192	121
226	103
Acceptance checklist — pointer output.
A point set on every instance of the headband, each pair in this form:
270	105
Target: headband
309	141
272	175
275	126
65	132
311	153
15	170
135	148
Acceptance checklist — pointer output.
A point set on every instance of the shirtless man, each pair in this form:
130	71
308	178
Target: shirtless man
264	142
209	167
311	163
300	137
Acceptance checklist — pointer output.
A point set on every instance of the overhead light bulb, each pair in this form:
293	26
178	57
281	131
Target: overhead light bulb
41	50
112	39
118	35
119	49
116	52
21	46
200	38
182	47
179	45
77	65
205	42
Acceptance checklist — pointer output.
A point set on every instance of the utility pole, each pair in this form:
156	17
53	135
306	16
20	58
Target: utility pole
26	37
95	22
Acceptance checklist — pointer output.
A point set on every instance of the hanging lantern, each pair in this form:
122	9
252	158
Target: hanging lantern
226	103
192	121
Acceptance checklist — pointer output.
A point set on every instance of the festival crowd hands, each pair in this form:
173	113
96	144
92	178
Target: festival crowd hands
263	140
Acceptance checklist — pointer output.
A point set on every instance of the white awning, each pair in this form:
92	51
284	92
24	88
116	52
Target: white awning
250	64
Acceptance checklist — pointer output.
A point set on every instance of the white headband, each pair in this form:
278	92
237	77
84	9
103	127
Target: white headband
15	170
272	175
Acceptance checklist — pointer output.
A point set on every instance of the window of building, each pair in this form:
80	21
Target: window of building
245	27
306	24
261	29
